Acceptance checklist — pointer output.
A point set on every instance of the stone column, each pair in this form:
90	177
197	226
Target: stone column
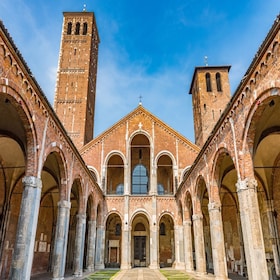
126	240
199	243
251	229
61	237
179	247
217	240
273	234
79	245
188	245
154	247
154	234
126	247
91	245
99	247
26	229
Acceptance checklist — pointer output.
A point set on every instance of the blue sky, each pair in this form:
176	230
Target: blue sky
148	48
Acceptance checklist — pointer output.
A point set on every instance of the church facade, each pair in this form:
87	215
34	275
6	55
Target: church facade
140	194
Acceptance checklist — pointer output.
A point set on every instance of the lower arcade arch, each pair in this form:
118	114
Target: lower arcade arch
113	241
166	241
140	241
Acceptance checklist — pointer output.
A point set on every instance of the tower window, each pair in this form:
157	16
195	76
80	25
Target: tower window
208	82
85	28
69	28
77	31
218	82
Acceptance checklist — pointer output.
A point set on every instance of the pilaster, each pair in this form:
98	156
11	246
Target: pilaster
26	229
251	229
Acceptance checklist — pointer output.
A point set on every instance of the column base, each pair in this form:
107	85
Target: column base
125	266
154	266
99	266
179	265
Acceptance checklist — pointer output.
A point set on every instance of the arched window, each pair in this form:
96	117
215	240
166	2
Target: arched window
218	82
85	28
165	175
77	31
69	28
115	175
140	180
140	164
208	82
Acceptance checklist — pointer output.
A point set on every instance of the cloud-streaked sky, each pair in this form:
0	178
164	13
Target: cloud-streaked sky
148	48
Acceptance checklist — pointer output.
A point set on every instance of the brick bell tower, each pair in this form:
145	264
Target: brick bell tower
210	91
76	78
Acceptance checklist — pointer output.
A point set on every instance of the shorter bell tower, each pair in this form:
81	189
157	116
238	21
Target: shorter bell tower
76	78
210	91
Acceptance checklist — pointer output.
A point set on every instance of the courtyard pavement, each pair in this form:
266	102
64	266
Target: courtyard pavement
140	274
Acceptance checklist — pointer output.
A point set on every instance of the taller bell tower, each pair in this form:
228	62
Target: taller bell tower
76	78
210	91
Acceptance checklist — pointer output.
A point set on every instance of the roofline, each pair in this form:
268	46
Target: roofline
102	135
196	69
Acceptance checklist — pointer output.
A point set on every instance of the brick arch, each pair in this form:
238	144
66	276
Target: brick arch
113	212
99	214
168	213
140	211
165	153
138	132
214	174
10	93
95	174
199	194
115	153
78	180
90	206
63	169
249	141
188	206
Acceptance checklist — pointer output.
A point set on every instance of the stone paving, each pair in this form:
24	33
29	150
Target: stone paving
141	274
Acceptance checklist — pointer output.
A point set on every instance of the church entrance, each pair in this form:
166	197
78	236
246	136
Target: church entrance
140	249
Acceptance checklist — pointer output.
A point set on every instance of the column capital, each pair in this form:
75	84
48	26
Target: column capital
64	204
187	223
246	184
32	181
198	216
81	216
214	206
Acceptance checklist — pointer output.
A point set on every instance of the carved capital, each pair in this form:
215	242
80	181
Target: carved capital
196	217
31	181
246	184
187	223
64	204
214	206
